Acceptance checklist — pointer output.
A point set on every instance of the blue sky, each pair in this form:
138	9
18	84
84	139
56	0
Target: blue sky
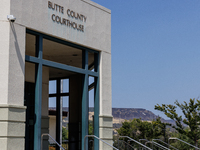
155	52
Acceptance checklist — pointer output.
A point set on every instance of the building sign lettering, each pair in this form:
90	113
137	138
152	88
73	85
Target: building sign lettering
70	13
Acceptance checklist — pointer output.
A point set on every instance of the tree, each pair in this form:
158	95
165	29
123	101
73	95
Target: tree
160	128
90	139
90	128
138	129
178	144
64	133
125	130
144	129
135	129
191	113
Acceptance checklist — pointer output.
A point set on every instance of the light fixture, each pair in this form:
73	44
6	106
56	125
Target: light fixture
11	18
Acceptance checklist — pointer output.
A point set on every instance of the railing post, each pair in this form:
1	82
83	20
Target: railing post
183	142
118	143
98	139
136	142
52	139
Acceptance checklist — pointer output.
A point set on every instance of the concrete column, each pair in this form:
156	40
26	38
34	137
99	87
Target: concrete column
105	117
45	107
105	131
75	98
12	54
12	127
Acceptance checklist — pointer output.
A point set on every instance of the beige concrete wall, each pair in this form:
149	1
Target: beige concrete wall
45	91
16	65
12	50
105	84
45	106
12	127
12	43
36	15
105	131
52	126
4	55
5	10
105	118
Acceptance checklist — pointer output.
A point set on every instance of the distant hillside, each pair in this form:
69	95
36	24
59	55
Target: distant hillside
122	114
130	113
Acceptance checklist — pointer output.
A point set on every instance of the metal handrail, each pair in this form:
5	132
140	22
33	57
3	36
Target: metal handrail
134	141
148	142
158	145
174	138
52	139
143	140
161	146
98	139
127	144
165	143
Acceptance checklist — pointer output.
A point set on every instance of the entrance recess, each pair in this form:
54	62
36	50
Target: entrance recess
48	58
29	102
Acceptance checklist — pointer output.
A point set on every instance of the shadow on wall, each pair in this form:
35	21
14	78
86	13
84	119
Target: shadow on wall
19	55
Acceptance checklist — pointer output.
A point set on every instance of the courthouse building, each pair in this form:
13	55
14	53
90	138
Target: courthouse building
43	41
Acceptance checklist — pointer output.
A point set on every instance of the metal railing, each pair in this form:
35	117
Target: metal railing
174	138
156	144
98	139
147	141
143	140
52	139
161	146
130	139
165	143
127	144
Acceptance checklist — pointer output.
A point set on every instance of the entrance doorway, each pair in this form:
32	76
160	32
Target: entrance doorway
29	102
48	58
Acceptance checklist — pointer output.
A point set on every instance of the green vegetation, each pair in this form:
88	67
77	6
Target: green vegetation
90	130
191	113
186	128
178	144
64	133
138	129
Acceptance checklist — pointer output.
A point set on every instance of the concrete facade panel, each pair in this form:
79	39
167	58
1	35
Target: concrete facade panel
105	133
4	129
45	129
12	127
3	142
4	57
17	142
16	65
16	129
30	73
106	121
45	91
5	10
16	114
5	112
103	146
97	27
35	15
12	114
105	84
52	126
